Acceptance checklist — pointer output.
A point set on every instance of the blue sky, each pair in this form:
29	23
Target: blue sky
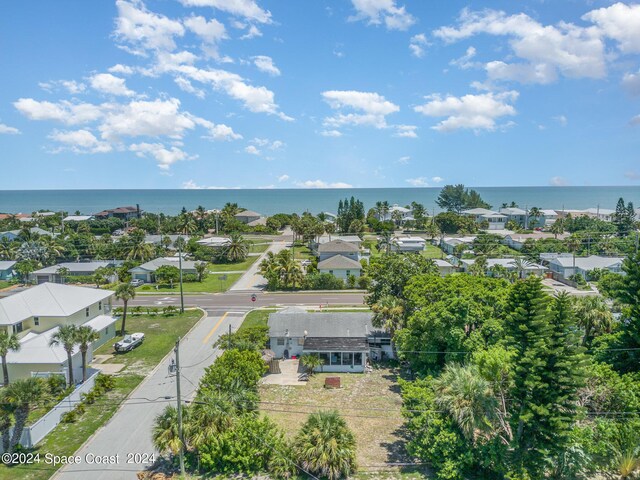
318	93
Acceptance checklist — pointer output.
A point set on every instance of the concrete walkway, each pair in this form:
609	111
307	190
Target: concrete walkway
289	375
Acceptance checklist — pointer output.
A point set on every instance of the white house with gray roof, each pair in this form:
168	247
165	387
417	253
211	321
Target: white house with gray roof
566	265
340	267
338	247
344	340
509	264
36	314
75	269
146	271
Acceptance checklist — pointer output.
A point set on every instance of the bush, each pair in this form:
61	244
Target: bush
364	282
351	281
105	382
322	281
69	417
56	385
189	278
90	397
169	310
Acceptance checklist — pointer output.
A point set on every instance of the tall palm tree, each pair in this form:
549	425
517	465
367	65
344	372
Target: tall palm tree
164	434
378	210
396	216
535	213
557	228
22	394
291	273
213	414
125	292
593	316
384	241
521	265
66	337
388	313
468	399
187	224
8	342
325	446
85	336
237	249
385	210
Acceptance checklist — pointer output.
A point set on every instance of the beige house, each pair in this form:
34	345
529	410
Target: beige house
36	314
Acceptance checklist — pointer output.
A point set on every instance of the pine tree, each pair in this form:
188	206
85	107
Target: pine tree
621	218
628	357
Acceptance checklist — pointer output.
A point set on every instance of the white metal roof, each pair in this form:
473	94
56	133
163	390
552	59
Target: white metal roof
6	264
588	263
48	300
477	211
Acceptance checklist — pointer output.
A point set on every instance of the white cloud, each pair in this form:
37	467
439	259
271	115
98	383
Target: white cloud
186	86
79	141
121	69
406	131
403	160
372	108
218	131
192	185
631	82
265	64
7	130
558	182
437	179
107	83
331	133
248	9
252	32
64	111
252	150
546	49
322	184
145	30
283	178
70	86
635	120
417	182
417	45
211	31
164	156
561	119
464	62
620	22
476	112
376	12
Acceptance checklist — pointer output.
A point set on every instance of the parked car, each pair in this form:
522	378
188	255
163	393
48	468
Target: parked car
136	282
129	342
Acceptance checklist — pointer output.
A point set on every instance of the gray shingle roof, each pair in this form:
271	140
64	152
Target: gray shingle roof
329	344
75	267
334	324
338	246
153	265
339	262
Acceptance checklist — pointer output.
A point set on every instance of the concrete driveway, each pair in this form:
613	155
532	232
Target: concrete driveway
252	281
557	287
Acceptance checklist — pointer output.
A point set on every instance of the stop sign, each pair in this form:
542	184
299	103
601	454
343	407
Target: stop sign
253	298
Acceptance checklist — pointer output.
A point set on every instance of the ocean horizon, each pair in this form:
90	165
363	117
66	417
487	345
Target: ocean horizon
271	201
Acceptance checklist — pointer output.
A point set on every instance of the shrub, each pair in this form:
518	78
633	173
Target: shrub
322	281
351	281
105	382
169	310
364	282
69	417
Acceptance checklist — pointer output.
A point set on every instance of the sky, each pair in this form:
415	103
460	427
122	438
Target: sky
318	93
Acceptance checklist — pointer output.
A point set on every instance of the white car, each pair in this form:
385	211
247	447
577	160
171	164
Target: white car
136	282
129	342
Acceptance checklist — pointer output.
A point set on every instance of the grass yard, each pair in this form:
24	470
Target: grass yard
4	284
431	251
233	267
160	333
302	252
370	402
256	318
211	284
259	247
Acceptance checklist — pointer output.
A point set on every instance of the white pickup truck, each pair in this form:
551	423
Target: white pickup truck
129	342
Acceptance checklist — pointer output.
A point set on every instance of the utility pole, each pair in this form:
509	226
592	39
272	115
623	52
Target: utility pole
229	337
180	266
179	400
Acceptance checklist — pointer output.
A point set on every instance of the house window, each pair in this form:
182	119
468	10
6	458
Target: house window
347	358
325	358
348	272
336	358
17	328
36	321
86	312
357	358
281	341
106	330
331	272
99	305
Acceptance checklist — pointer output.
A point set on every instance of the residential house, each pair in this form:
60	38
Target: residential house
407	243
123	213
36	314
604	214
548	218
569	265
13	234
338	247
7	269
496	221
449	244
75	269
515	214
344	340
146	271
340	267
444	267
356	240
508	263
161	239
517	240
214	242
250	218
78	218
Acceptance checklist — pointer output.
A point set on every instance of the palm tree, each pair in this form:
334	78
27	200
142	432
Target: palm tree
213	414
557	228
311	362
593	316
467	398
388	313
125	292
521	265
6	417
396	216
536	213
8	342
63	273
378	210
237	249
201	270
85	336
291	273
7	249
22	394
385	210
165	435
66	337
384	241
187	224
325	446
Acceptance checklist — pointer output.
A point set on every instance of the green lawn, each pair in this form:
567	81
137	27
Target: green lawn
302	252
256	318
232	267
431	251
161	333
259	247
211	284
4	284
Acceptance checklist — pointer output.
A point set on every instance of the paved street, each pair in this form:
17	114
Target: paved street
129	430
252	280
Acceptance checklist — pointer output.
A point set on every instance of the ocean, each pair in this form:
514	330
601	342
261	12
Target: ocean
269	202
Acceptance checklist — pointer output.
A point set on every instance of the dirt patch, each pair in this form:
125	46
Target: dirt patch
369	402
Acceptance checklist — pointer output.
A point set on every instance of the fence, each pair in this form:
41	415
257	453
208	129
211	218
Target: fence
35	433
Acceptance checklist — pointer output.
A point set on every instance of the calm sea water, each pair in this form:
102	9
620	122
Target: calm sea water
268	202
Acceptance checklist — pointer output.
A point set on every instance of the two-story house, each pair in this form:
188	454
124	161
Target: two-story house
36	314
339	258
